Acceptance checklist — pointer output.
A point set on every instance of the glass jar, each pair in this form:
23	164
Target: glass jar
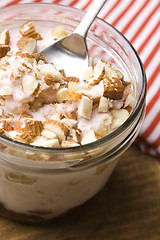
38	184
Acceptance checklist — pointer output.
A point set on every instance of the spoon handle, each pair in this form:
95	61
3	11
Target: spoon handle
89	17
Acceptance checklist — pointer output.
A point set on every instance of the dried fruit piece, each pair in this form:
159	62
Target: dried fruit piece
113	88
85	107
4	37
28	29
3	50
89	137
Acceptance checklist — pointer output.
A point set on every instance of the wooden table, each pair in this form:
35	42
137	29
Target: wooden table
127	208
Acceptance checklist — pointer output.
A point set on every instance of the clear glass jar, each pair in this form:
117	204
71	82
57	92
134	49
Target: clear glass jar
38	184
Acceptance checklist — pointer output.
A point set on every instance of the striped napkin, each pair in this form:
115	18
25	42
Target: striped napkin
138	20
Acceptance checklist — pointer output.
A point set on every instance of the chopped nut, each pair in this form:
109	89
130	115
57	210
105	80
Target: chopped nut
1	112
119	117
50	69
103	104
4	37
128	101
30	85
113	88
6	91
27	45
3	50
25	137
37	128
28	29
69	122
69	143
89	137
49	80
62	95
7	126
88	73
98	75
59	32
26	115
57	127
48	134
43	142
62	72
72	79
85	107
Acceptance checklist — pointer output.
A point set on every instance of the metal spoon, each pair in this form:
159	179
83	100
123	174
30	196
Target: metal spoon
70	53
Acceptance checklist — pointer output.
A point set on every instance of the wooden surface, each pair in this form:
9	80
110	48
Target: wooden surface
127	208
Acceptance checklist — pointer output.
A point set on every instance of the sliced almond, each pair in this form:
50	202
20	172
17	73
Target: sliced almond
4	37
89	137
41	141
85	107
6	91
28	29
69	143
30	85
3	50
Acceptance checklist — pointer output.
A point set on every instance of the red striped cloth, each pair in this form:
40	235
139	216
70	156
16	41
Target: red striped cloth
139	22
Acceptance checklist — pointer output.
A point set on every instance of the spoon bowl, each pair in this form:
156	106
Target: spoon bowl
70	53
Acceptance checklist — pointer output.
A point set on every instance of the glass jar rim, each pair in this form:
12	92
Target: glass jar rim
112	135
